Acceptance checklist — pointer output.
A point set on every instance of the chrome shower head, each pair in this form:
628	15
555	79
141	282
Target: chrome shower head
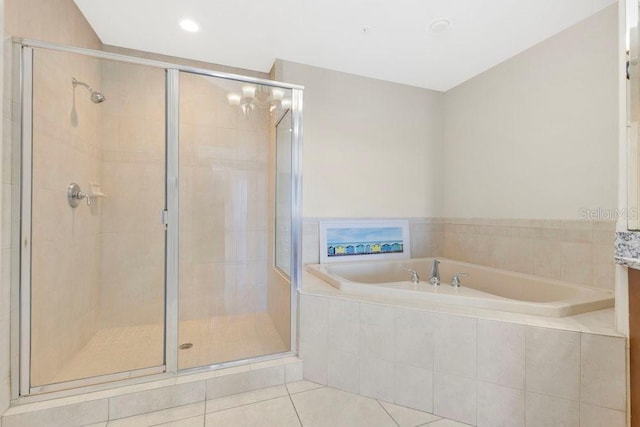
96	97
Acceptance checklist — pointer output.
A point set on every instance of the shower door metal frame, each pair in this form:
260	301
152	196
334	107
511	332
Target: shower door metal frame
21	350
26	138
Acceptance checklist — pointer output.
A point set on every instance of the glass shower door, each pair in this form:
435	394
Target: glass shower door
97	248
228	304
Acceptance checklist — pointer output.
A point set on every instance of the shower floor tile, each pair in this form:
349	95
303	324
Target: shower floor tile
227	338
215	340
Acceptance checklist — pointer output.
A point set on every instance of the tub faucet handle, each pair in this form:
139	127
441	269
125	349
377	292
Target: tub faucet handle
415	279
455	280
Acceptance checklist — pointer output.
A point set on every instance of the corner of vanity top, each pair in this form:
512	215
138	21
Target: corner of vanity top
627	249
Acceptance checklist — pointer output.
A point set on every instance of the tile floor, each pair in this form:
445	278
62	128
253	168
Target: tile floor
298	404
215	340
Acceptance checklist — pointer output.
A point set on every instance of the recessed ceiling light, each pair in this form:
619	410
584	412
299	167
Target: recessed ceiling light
439	25
189	25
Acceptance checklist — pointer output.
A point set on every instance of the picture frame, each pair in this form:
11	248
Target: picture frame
359	240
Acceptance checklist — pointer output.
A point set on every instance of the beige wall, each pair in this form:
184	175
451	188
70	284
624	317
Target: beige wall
371	148
58	21
536	136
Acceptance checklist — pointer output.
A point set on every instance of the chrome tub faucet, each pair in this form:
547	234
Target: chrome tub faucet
434	277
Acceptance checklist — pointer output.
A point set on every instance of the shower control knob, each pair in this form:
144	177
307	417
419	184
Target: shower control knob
75	195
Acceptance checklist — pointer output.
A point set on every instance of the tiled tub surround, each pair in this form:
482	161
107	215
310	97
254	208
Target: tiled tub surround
185	391
577	251
474	366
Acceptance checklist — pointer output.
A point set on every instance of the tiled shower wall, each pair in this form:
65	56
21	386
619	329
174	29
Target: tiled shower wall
133	139
574	251
224	160
57	21
66	148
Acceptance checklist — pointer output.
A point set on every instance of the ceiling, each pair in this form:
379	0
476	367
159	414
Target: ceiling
397	47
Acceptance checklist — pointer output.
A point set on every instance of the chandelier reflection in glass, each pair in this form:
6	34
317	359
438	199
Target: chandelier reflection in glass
253	97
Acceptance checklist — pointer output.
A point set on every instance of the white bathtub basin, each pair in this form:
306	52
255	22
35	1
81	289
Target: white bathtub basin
486	287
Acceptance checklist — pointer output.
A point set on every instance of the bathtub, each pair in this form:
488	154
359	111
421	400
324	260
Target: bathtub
486	287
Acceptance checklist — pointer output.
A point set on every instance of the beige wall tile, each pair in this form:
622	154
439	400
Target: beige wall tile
343	371
414	338
547	259
455	345
595	416
314	327
605	237
344	325
544	233
78	414
414	387
603	371
499	405
244	382
553	362
483	249
576	264
501	353
551	411
500	254
455	398
377	378
293	371
377	331
521	255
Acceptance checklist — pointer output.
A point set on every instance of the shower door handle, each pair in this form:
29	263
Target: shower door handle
164	218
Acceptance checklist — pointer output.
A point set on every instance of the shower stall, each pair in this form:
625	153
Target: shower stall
159	218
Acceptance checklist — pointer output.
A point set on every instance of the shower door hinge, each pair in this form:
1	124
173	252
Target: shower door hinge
165	218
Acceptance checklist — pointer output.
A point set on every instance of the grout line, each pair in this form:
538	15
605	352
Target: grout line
305	391
526	393
580	377
433	362
142	414
387	412
476	380
295	409
204	407
175	421
240	406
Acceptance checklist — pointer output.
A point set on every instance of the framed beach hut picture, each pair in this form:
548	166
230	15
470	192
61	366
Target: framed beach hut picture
344	241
